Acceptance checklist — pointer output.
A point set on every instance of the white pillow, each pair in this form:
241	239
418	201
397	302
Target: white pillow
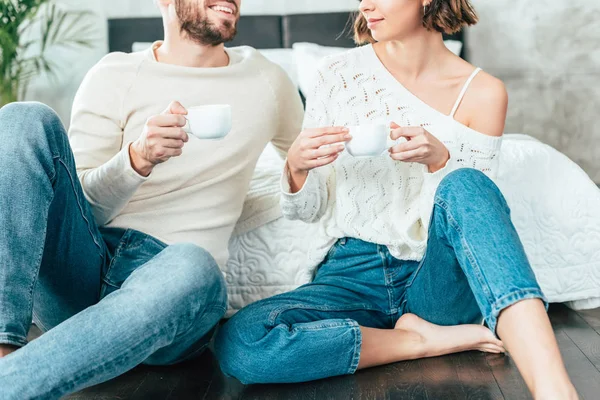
285	59
309	55
140	46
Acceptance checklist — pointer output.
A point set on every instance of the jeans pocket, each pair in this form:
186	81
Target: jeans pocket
330	255
412	278
133	250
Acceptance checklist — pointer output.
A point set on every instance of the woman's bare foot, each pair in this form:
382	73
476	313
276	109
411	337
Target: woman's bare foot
440	340
6	349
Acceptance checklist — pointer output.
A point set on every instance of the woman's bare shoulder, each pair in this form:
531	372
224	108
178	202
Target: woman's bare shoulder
485	105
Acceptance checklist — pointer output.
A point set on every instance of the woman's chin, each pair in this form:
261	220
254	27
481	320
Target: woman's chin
379	36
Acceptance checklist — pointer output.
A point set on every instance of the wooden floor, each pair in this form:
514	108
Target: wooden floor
462	376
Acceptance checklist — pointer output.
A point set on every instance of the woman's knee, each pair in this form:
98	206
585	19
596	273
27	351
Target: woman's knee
238	344
466	185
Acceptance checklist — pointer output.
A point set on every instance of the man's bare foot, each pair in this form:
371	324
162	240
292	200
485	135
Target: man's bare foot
6	349
440	340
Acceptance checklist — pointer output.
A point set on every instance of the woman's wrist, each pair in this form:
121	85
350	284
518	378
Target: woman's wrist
433	168
296	178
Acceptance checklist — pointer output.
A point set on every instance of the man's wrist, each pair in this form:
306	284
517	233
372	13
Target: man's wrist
139	164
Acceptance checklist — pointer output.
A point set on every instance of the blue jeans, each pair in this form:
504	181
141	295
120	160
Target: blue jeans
475	266
108	299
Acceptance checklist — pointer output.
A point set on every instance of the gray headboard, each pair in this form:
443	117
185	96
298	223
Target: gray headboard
261	32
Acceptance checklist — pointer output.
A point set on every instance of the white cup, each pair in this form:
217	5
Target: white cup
209	122
368	140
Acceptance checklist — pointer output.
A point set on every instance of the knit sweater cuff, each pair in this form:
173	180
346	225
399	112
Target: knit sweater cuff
109	187
303	204
433	179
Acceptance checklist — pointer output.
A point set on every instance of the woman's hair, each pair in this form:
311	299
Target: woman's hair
445	16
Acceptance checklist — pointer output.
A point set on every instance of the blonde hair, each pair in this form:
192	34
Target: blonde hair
445	16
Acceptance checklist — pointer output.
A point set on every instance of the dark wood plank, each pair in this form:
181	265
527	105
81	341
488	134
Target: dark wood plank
579	331
296	391
402	380
189	380
440	378
34	333
224	388
476	376
592	317
584	375
508	377
462	376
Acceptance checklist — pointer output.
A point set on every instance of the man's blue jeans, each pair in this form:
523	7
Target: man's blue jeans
475	267
108	299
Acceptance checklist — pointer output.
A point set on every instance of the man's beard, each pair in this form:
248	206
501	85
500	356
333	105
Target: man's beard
197	26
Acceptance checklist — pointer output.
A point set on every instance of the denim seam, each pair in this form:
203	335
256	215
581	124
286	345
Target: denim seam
13	340
357	348
510	299
71	384
38	262
470	255
38	322
333	249
87	221
324	326
275	313
222	310
120	248
388	282
412	278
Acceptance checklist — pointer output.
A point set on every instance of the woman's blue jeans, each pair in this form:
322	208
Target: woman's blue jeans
475	266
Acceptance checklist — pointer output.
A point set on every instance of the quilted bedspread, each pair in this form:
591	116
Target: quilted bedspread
555	208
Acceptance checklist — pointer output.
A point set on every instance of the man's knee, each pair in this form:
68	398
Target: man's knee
27	113
194	276
23	124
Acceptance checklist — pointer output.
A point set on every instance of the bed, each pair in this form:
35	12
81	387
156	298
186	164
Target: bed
555	206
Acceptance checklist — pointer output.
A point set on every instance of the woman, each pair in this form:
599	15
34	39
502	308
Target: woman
425	244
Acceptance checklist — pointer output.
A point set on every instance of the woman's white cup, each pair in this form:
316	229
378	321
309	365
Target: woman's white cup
368	140
209	122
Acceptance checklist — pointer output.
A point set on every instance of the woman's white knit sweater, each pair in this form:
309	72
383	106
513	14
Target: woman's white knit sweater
377	199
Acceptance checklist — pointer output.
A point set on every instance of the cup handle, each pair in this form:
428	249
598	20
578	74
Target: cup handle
186	128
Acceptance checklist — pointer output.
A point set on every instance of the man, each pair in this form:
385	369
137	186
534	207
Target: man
121	266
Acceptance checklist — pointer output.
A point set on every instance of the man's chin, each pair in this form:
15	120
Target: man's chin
227	34
227	29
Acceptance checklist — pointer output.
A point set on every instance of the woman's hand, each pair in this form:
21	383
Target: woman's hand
421	147
314	148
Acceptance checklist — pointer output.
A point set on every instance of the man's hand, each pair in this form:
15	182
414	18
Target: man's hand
163	137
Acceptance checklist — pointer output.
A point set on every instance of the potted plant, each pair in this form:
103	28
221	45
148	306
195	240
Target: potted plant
29	30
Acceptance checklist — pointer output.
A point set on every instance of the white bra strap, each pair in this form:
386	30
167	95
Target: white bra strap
464	91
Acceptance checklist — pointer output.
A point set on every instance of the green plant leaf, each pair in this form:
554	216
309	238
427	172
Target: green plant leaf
24	50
